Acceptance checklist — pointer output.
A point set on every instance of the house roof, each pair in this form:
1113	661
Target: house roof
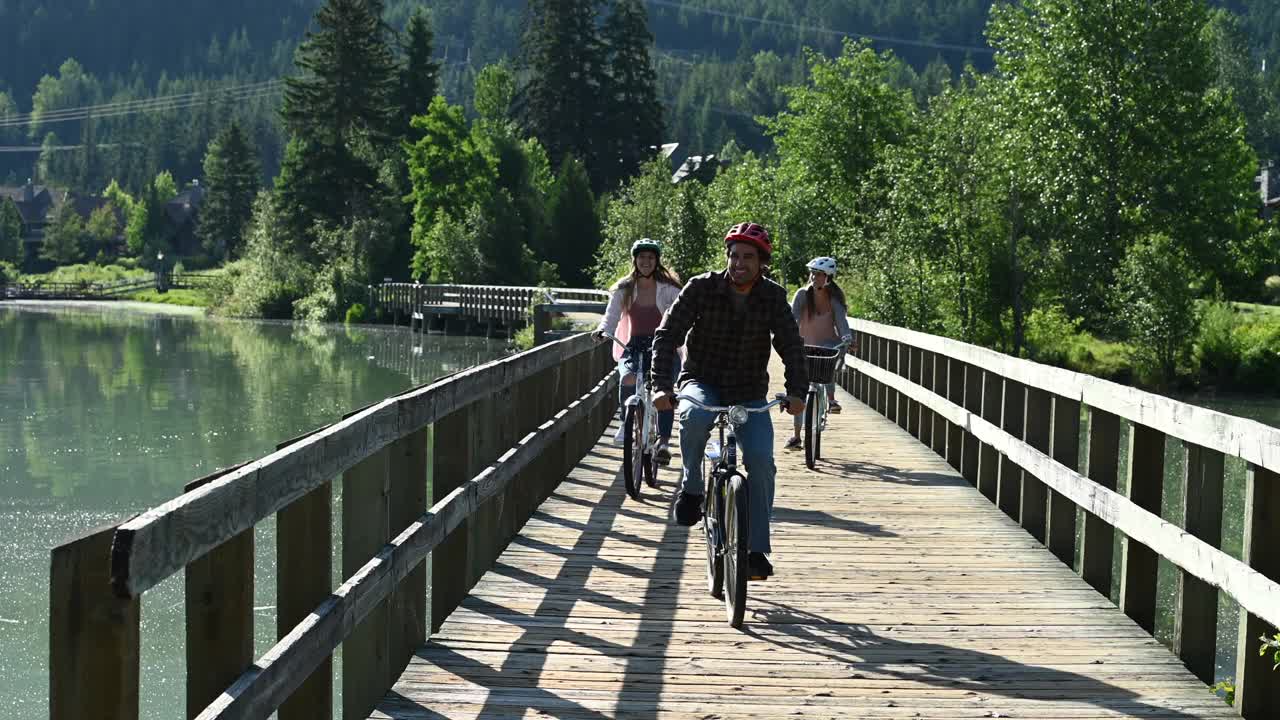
184	206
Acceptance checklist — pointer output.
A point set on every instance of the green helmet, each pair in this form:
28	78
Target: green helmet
646	244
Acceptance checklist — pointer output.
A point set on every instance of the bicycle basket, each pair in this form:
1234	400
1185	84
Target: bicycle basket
821	362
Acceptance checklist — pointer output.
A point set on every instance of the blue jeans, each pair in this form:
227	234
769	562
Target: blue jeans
629	364
755	445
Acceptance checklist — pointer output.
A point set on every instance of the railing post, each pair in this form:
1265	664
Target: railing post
939	442
1009	482
988	458
1064	446
219	610
93	635
451	447
304	562
366	508
1035	432
926	414
915	362
973	403
541	324
903	369
408	499
1138	564
955	393
1257	685
1102	464
1195	618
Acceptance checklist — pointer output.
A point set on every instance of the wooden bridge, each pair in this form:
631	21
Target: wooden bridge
933	567
492	306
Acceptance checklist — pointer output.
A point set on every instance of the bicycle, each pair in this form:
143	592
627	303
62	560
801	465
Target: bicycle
821	363
640	423
726	514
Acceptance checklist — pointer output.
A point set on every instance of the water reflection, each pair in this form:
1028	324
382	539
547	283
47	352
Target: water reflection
105	411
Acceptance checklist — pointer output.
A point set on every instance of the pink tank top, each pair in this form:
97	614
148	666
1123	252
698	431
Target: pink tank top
817	328
644	319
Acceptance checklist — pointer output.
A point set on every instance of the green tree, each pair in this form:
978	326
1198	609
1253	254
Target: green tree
102	229
1239	74
561	102
340	113
449	173
62	237
11	249
418	77
231	171
1156	303
495	89
575	233
1130	135
633	112
73	87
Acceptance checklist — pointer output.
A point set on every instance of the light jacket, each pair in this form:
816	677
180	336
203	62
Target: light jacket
618	324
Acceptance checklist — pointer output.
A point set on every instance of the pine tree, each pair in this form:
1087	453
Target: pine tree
231	173
418	78
340	112
561	103
10	232
633	110
575	227
61	242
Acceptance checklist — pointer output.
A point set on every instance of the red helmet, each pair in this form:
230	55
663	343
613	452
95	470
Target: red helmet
752	233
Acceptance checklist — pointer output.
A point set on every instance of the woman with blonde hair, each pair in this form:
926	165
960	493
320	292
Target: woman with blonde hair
637	302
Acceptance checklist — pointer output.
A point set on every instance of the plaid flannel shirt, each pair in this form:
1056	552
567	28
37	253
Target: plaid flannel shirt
726	348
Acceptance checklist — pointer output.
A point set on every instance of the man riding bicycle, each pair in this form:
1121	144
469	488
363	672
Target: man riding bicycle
730	318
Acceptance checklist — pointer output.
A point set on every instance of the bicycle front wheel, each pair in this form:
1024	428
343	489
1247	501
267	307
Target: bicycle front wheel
712	524
632	450
812	434
737	536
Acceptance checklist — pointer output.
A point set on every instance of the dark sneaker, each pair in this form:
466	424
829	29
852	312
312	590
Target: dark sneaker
794	444
663	455
759	567
834	408
688	509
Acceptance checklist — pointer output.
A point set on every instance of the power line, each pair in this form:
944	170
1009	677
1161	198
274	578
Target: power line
822	30
238	93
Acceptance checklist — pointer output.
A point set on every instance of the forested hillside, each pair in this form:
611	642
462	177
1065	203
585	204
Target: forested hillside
720	64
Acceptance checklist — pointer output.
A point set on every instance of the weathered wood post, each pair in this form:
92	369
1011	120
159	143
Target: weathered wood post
1035	432
926	413
1195	615
1101	466
219	610
93	634
407	628
1138	564
1257	685
1064	445
304	563
451	466
541	323
915	365
1009	482
988	458
939	442
955	393
366	516
973	403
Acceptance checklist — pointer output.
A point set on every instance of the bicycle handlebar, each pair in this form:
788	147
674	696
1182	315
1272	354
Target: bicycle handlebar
779	399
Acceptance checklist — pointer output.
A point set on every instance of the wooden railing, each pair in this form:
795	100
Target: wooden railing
497	439
1012	427
505	304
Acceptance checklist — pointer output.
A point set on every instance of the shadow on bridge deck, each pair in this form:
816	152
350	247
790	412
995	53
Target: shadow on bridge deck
901	593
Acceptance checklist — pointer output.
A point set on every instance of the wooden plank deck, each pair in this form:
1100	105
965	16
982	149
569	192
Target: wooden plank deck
901	593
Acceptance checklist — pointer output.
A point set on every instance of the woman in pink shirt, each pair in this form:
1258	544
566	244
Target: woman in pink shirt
820	310
637	303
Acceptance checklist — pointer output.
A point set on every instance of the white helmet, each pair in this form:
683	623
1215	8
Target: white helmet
825	265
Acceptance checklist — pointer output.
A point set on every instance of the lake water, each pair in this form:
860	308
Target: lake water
106	410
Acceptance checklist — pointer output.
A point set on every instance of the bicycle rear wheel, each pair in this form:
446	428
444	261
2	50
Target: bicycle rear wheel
737	535
712	522
632	451
812	434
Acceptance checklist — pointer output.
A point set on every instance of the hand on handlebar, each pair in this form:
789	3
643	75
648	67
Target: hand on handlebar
663	401
794	405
